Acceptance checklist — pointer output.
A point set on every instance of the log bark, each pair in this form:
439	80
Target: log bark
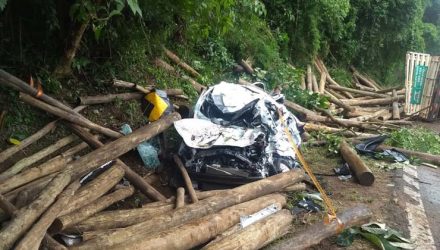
206	194
309	78
24	219
173	57
7	207
322	68
34	186
315	84
339	103
295	187
194	211
99	99
94	189
246	66
186	178
51	244
379	101
363	79
180	197
80	120
336	94
68	220
314	234
51	166
434	159
192	234
137	181
357	165
396	111
257	235
120	218
35	235
124	84
303	83
322	81
28	161
357	91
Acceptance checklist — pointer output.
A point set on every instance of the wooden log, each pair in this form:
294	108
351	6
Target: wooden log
80	120
257	235
246	66
310	127
124	84
357	91
206	194
35	186
186	179
322	81
396	111
371	115
315	233
35	235
194	233
338	102
434	159
28	161
51	244
363	87
315	84
309	78
94	189
51	166
7	207
303	83
180	197
12	81
24	219
378	101
68	220
137	181
322	68
189	212
90	100
120	146
121	218
357	165
295	187
363	79
173	57
336	94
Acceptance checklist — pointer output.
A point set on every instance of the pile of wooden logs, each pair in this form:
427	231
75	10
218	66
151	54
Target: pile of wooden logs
45	196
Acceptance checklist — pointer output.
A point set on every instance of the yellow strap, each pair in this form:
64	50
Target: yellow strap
328	203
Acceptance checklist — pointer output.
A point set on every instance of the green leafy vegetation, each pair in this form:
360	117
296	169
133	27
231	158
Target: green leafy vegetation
416	139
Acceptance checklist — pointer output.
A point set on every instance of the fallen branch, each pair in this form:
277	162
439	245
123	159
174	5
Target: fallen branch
246	66
173	57
396	111
186	179
356	91
357	166
379	101
180	197
124	84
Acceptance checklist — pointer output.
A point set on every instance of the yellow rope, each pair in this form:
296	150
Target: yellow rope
331	213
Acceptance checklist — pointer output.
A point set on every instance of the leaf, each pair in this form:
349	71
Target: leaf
345	239
402	245
378	241
14	141
134	6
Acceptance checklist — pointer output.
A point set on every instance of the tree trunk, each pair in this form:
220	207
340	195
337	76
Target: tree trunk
197	210
180	197
24	219
173	57
78	119
120	218
33	237
51	166
357	166
137	181
195	233
186	179
73	218
396	111
257	235
64	67
94	189
314	234
28	161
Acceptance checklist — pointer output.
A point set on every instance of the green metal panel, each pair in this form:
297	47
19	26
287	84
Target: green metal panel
418	83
